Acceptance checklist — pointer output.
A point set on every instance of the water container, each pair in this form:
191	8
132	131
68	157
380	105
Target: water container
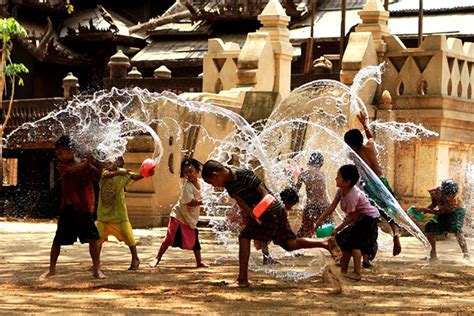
418	216
325	230
263	205
147	167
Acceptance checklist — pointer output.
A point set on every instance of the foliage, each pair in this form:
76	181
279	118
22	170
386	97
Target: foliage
69	7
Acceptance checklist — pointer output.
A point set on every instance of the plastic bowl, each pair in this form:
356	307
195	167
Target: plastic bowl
263	205
147	167
325	230
418	216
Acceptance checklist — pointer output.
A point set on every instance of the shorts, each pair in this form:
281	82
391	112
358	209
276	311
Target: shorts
274	227
362	235
446	222
122	231
73	225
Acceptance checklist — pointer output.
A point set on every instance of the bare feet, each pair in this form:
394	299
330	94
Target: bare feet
239	284
353	276
46	275
397	247
431	259
202	265
154	263
98	274
134	265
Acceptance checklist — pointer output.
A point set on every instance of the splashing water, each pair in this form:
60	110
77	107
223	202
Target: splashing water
313	117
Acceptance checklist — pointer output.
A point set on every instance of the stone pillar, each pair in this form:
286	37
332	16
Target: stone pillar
374	19
70	85
275	22
118	65
134	74
384	113
162	72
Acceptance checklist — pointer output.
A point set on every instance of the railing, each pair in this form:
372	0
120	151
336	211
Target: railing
175	85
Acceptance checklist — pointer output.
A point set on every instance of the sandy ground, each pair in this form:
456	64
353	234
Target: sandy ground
402	284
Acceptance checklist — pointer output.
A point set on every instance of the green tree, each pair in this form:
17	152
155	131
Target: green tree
9	28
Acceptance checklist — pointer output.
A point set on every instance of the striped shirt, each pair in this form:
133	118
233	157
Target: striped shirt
245	185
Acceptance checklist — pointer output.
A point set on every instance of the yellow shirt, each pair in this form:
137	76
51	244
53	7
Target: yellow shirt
112	207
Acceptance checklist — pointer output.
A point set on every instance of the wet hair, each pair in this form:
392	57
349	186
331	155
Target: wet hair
316	159
189	162
350	173
289	195
211	166
354	138
64	142
449	187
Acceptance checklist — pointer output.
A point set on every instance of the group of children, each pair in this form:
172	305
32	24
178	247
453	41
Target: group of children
356	236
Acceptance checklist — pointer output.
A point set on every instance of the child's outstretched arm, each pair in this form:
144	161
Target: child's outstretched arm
363	120
113	174
330	209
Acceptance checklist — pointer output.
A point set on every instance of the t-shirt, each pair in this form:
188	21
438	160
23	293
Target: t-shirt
77	188
184	213
112	207
245	186
356	201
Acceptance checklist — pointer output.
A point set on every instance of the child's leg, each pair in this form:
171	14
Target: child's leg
397	247
94	250
199	263
346	257
300	243
432	239
244	255
135	261
306	225
164	246
357	256
53	259
462	243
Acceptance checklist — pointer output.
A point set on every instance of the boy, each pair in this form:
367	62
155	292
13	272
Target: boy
317	199
368	153
248	190
112	216
77	206
449	217
357	234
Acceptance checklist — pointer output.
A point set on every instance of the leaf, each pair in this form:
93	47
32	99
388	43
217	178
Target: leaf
20	82
14	69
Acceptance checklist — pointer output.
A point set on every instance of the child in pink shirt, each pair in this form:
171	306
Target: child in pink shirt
357	234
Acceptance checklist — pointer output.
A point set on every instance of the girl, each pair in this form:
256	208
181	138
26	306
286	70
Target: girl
357	234
182	231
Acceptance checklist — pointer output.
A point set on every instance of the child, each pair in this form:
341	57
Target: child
368	153
182	231
290	198
248	190
449	217
357	234
112	216
77	205
317	199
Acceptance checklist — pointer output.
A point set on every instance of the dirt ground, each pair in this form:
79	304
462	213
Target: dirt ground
402	284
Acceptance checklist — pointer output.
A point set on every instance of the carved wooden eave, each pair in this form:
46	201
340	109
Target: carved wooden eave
51	50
